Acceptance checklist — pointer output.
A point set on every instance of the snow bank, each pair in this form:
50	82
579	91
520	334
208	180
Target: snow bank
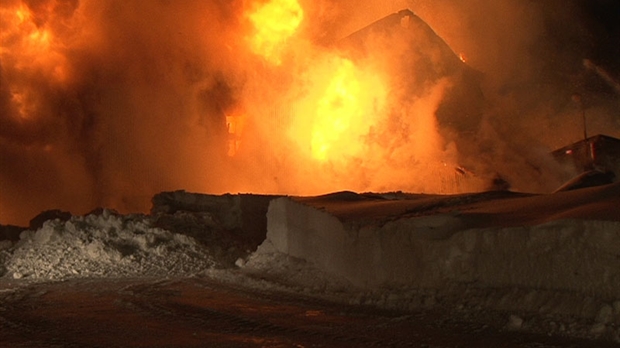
527	255
186	234
567	268
431	251
241	214
103	245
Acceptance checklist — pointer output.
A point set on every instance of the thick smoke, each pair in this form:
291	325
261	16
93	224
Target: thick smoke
532	56
104	103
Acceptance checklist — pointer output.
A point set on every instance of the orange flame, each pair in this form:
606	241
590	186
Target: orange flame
345	112
275	22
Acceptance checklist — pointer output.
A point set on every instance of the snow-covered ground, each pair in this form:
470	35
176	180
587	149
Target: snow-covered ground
550	262
105	245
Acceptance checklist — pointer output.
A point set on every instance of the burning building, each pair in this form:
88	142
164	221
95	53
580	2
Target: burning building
384	108
425	59
106	103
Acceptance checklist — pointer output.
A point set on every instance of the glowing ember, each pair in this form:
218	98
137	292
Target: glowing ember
234	125
275	22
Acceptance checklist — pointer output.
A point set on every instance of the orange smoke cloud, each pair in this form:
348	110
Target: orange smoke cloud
358	114
31	45
103	103
107	102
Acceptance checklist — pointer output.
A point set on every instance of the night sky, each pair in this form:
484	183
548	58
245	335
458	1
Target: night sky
602	18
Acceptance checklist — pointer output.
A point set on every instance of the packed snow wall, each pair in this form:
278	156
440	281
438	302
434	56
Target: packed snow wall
436	250
240	213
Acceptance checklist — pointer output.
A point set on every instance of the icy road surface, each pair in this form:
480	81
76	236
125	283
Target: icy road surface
200	312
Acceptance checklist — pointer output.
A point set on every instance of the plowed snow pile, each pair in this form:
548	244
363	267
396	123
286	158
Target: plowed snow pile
105	245
550	261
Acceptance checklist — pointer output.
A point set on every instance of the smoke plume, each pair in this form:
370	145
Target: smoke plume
105	103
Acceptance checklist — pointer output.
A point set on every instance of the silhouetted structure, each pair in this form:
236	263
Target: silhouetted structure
599	152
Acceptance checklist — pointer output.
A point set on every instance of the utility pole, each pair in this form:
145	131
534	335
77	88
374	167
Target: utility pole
588	146
578	100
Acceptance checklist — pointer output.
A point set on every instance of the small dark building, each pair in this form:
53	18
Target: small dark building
599	152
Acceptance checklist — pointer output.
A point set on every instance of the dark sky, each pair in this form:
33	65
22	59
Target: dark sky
575	32
602	19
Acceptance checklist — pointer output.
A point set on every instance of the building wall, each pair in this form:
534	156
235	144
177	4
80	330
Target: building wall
598	152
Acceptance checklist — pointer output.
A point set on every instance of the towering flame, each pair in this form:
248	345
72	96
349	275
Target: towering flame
275	22
106	104
341	116
341	101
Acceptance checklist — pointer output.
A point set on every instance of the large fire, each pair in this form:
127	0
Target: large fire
333	116
252	104
342	115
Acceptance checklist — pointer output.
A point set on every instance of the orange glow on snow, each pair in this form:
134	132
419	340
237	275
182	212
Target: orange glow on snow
274	22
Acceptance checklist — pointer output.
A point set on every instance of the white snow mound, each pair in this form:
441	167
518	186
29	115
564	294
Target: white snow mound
105	245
